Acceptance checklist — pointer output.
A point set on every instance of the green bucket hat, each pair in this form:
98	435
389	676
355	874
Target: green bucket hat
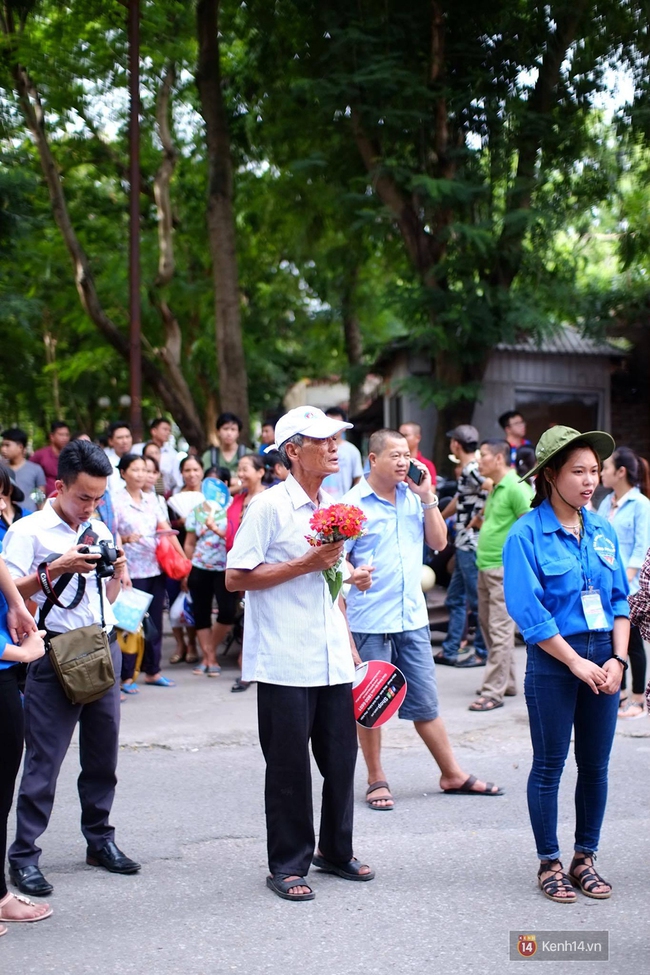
557	438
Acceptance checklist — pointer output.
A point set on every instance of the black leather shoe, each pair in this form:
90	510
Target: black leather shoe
111	859
30	881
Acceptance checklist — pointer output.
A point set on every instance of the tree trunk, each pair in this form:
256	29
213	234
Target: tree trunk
167	382
233	381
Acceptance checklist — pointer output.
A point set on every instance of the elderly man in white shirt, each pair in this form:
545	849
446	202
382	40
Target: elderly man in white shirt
297	646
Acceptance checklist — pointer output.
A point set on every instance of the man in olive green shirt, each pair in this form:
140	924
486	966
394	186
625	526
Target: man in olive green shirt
507	501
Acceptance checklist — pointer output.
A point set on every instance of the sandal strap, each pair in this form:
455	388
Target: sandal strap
588	878
558	879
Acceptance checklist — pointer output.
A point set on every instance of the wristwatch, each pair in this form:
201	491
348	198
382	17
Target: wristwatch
622	661
432	504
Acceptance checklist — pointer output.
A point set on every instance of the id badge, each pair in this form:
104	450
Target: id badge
593	610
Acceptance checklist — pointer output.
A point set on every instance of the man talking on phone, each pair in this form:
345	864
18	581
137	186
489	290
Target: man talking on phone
48	558
390	620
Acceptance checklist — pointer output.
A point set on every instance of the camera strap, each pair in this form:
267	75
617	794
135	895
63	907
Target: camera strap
53	592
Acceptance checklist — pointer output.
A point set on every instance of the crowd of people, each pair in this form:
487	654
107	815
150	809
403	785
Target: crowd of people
517	531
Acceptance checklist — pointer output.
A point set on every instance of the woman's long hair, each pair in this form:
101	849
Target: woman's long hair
637	470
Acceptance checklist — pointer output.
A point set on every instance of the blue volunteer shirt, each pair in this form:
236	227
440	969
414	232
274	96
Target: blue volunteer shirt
545	572
393	541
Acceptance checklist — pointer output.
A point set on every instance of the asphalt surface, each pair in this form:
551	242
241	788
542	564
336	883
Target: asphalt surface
454	874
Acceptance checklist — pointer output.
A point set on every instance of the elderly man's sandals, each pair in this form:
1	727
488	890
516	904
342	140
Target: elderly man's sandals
281	886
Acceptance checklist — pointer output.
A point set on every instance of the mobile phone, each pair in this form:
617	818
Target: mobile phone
415	473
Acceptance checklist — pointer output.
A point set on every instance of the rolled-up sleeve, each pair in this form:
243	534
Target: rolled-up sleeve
18	553
253	537
620	585
523	590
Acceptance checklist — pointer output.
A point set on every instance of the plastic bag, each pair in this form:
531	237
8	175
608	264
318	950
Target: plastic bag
170	560
180	612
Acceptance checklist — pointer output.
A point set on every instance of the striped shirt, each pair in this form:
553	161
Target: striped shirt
293	633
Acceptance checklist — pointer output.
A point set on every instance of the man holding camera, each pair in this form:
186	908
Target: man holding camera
84	580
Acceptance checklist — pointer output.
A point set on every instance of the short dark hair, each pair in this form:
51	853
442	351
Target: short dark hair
337	411
126	460
116	425
15	434
185	460
271	458
497	446
505	418
378	439
82	457
157	421
148	444
224	418
58	425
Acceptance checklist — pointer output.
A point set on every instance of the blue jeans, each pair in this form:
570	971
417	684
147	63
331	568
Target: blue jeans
558	701
461	595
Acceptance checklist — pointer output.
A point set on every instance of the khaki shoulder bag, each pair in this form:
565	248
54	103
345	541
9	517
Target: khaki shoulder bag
81	658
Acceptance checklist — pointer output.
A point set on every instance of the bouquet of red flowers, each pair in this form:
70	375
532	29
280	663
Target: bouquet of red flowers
337	523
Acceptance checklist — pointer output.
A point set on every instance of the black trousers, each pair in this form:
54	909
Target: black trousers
636	653
289	717
11	736
50	720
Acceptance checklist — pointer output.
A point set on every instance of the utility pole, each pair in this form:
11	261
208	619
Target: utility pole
135	343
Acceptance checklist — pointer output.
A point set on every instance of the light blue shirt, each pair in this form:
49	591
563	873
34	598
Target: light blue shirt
393	543
546	571
631	522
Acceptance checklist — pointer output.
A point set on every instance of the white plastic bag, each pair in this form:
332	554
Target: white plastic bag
180	612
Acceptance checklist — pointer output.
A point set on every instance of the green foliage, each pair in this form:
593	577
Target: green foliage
485	245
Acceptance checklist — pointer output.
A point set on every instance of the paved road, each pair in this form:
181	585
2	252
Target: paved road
454	874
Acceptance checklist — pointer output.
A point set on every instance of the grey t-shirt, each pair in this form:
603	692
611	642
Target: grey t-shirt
28	477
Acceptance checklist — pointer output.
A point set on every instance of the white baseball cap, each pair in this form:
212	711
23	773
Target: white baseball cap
310	421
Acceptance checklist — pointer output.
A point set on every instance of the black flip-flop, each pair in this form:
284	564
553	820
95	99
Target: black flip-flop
349	870
281	886
466	789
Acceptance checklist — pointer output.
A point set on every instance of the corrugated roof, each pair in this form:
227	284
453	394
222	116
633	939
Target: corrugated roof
567	340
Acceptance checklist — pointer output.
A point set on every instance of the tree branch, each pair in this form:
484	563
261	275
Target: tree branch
413	234
534	127
170	387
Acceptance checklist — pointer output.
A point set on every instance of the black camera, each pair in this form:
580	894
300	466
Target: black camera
108	554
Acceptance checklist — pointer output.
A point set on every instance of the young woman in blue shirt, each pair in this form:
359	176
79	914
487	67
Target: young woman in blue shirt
627	509
19	643
566	588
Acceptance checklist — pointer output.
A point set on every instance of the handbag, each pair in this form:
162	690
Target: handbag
170	560
80	658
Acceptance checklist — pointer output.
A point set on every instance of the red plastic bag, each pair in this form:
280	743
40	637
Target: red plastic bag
173	564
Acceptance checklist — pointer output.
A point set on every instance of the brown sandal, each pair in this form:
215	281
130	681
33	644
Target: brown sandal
558	881
380	784
588	879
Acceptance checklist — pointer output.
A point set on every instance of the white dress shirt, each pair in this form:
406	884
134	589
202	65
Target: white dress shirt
30	540
293	633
